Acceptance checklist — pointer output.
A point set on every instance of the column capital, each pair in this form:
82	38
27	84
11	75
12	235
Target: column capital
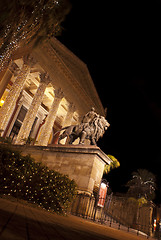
58	93
14	69
71	107
44	77
29	60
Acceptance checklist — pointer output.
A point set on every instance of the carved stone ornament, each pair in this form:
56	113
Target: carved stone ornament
59	93
29	60
44	77
14	69
71	107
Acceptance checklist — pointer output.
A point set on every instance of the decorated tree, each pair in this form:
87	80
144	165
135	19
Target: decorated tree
22	177
26	21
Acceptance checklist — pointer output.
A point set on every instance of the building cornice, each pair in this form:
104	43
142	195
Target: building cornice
79	64
60	64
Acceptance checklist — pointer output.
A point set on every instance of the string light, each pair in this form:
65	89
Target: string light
36	183
28	27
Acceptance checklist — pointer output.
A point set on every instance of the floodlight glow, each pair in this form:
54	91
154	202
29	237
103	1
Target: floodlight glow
103	185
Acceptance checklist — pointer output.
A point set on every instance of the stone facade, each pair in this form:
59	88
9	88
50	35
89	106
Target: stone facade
27	97
42	90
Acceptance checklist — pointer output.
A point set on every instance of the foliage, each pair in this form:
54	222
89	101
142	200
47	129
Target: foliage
22	177
139	202
114	164
142	184
23	21
142	201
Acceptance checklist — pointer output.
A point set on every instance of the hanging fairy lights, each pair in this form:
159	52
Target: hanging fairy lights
21	27
23	178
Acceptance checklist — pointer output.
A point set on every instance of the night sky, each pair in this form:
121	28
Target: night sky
120	43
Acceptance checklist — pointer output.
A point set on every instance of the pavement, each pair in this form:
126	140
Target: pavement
22	221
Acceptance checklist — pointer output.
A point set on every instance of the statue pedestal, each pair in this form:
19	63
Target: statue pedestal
83	163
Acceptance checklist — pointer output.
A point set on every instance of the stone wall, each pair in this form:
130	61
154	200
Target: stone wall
83	163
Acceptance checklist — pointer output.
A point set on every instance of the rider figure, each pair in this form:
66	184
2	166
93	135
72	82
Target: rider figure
87	121
88	117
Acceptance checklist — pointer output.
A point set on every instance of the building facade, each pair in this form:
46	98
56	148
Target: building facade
42	90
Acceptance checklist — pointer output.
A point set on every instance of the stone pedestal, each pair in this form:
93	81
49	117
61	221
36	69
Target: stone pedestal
83	163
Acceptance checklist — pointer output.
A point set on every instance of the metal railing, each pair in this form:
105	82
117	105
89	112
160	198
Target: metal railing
116	212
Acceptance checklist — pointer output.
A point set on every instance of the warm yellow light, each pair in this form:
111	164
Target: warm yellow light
1	102
103	185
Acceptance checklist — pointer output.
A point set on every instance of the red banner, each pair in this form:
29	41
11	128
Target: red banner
102	195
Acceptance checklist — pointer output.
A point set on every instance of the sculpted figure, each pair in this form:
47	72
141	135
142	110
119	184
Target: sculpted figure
92	127
87	122
89	116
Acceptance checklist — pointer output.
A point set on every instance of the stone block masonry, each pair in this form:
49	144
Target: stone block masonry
82	163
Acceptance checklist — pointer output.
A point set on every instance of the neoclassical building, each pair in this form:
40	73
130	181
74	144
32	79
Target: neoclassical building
43	90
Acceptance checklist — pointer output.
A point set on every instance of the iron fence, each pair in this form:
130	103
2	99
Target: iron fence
116	212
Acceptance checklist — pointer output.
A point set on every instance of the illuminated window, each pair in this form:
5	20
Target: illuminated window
18	123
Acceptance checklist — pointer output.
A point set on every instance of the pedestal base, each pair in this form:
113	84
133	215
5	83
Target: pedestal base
83	163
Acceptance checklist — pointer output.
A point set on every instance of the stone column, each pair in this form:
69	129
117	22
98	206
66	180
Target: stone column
12	69
68	118
32	111
9	104
46	131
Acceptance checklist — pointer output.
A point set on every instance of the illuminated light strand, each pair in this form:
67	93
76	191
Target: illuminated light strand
58	201
26	30
45	134
8	106
32	111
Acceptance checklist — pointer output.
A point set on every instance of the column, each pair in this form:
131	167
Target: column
68	118
46	131
9	104
12	69
32	111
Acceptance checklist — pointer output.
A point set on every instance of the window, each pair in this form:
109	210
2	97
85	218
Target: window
18	123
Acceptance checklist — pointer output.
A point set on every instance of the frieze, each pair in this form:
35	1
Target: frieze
63	68
78	68
44	77
29	60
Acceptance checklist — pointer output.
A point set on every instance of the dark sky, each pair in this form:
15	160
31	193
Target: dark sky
120	43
